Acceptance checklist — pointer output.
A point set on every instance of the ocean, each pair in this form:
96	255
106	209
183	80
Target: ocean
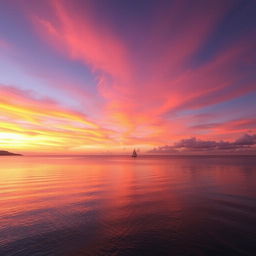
118	205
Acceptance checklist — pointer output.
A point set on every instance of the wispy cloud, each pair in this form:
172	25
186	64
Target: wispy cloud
30	123
137	82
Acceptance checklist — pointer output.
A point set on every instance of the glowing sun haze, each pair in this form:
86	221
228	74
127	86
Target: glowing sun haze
109	76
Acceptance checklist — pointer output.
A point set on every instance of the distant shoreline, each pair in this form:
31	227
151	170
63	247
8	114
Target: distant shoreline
7	153
143	155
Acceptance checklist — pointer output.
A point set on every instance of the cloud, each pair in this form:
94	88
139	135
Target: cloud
96	43
247	141
142	89
29	122
83	38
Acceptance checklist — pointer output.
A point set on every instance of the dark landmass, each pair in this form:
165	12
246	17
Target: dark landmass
7	153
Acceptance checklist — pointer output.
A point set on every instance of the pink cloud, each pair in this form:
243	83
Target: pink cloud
136	103
84	39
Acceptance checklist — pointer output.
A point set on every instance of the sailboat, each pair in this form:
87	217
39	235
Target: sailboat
134	154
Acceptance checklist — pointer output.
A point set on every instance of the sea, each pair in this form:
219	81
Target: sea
119	205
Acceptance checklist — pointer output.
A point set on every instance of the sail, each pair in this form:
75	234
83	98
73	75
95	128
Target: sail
134	154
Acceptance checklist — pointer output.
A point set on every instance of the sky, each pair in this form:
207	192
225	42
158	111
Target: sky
109	76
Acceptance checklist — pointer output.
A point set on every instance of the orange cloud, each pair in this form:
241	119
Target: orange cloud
28	123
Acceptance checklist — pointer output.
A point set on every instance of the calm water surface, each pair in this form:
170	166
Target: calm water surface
124	206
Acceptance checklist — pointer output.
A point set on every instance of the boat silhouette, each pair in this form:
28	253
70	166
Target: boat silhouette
134	153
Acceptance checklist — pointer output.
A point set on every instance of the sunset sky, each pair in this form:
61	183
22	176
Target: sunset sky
107	76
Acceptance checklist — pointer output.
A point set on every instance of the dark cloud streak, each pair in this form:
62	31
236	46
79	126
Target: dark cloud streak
245	142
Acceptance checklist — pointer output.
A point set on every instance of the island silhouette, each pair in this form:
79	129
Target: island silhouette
7	153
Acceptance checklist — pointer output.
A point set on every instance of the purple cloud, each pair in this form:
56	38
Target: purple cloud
245	142
246	139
